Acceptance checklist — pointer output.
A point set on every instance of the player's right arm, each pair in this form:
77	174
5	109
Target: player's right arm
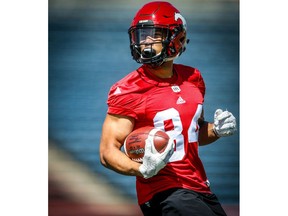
114	131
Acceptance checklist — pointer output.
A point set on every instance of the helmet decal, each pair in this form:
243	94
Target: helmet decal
179	16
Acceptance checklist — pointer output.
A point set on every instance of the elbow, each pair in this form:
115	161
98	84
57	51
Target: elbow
106	159
103	161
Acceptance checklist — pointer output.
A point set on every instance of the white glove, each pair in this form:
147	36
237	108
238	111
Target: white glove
224	123
154	162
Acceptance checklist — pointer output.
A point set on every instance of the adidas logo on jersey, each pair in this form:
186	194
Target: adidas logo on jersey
117	91
180	100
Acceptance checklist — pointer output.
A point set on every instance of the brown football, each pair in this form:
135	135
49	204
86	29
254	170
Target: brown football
134	144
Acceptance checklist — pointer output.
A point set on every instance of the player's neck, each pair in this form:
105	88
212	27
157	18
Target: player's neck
163	71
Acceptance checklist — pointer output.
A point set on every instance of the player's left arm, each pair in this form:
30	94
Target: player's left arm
206	134
224	125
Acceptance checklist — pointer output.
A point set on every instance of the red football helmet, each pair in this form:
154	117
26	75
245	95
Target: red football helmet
154	20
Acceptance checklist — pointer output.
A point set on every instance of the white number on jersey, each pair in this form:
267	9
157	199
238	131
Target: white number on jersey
177	132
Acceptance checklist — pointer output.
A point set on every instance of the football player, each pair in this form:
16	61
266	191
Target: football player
170	97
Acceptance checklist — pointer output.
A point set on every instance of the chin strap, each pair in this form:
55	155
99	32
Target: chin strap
155	65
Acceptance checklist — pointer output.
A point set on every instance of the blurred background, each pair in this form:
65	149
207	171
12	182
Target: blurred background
88	48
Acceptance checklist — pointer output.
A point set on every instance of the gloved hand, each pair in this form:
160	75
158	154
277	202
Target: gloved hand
153	162
224	123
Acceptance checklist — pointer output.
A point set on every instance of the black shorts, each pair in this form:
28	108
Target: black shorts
179	201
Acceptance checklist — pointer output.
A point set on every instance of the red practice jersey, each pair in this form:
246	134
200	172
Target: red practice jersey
173	105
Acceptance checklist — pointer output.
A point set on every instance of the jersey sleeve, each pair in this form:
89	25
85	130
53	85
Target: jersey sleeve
125	99
198	81
123	105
